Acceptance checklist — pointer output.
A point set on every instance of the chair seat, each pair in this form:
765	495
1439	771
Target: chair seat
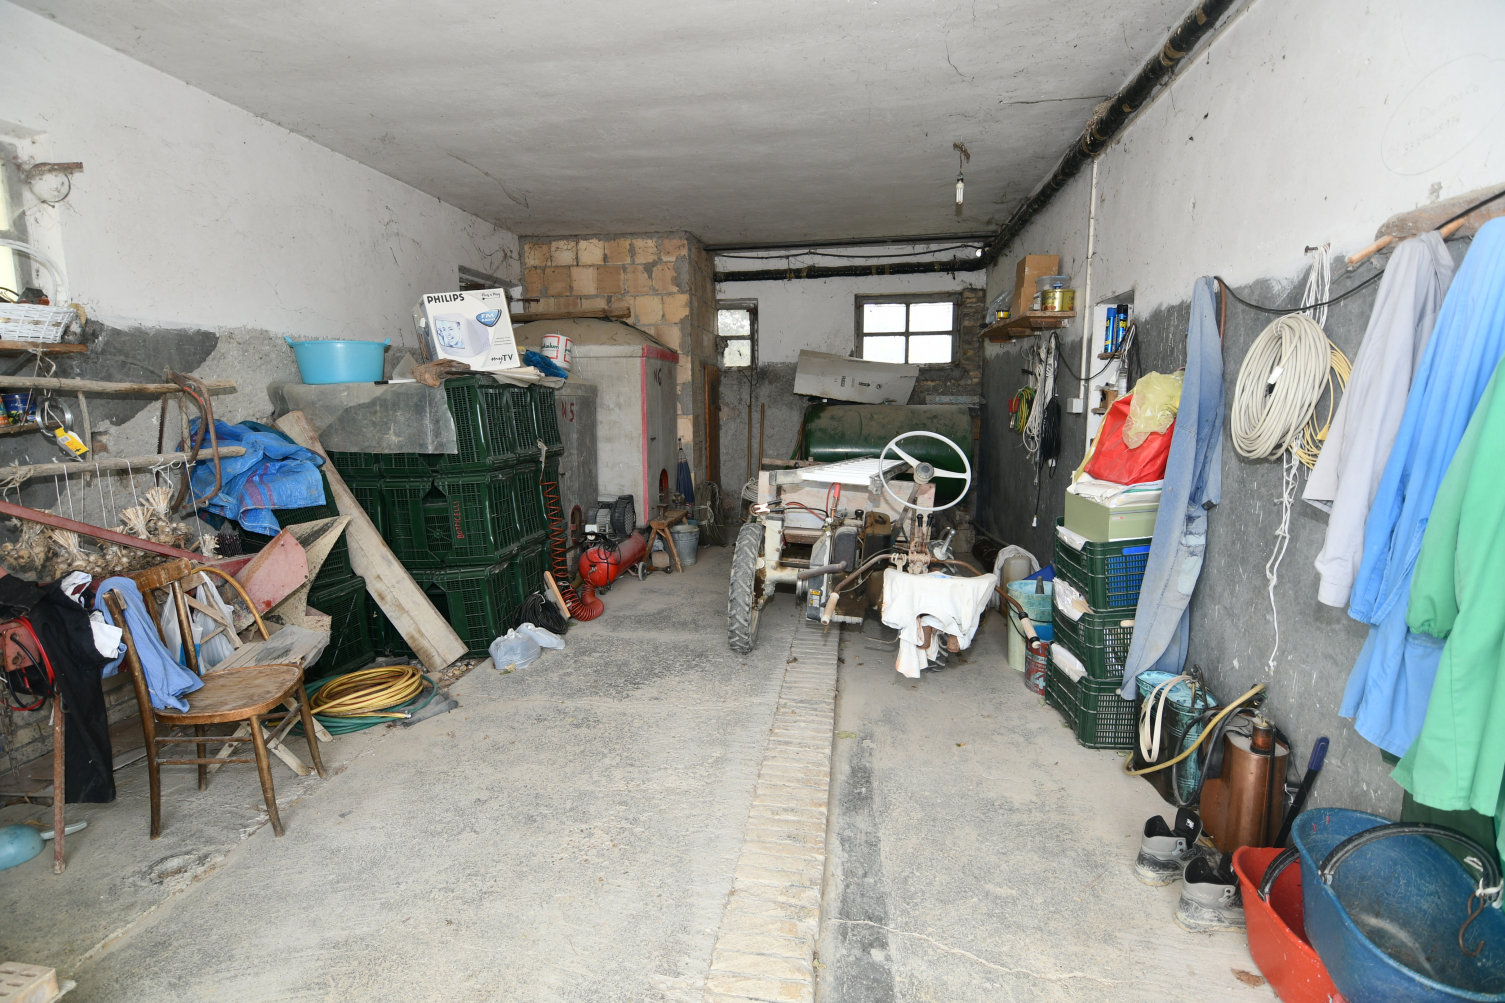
235	694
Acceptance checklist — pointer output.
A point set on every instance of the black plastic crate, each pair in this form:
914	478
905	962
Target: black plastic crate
546	416
1100	641
1107	574
471	600
351	644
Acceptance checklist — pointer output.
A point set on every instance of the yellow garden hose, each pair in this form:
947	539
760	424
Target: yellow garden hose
368	692
1212	725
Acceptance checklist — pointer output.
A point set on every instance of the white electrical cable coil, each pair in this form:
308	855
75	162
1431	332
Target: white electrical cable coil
1279	383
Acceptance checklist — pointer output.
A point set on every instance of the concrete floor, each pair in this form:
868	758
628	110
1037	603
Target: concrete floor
979	853
570	832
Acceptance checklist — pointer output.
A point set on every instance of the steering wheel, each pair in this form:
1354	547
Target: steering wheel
921	468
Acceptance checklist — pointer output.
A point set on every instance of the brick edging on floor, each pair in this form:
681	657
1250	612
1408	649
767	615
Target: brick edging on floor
765	948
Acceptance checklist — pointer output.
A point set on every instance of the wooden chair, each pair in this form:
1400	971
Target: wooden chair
241	693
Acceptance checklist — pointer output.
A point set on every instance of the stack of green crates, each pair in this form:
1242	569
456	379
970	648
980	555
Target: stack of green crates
469	526
1108	576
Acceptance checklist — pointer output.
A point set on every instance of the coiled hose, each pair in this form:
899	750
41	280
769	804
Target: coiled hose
582	608
369	697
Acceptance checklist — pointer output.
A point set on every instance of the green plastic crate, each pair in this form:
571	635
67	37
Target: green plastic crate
336	568
356	465
524	421
412	465
486	428
449	519
1100	641
546	416
351	644
1099	717
525	499
471	599
1107	574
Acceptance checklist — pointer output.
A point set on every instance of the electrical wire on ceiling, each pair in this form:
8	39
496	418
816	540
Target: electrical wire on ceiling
781	255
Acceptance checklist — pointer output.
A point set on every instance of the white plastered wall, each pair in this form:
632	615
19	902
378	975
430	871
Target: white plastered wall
191	212
819	314
1300	124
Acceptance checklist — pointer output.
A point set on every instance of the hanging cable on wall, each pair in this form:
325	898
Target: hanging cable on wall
1282	380
1044	385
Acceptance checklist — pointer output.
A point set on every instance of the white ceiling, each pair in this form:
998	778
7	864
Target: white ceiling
738	120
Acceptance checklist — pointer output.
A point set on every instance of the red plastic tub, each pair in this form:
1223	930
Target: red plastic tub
1277	929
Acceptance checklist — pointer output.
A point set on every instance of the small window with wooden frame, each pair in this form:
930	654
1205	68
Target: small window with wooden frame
737	333
919	329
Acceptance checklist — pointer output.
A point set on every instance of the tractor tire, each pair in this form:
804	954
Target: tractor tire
743	592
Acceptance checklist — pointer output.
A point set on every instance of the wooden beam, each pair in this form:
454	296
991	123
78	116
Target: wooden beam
620	311
1404	225
44	347
106	387
98	532
427	633
140	464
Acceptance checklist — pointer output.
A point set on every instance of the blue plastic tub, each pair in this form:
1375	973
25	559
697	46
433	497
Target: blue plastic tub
1384	907
339	361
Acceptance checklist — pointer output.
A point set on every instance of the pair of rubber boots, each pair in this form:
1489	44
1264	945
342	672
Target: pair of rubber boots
1210	898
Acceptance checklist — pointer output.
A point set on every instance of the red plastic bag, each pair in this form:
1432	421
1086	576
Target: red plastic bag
1112	460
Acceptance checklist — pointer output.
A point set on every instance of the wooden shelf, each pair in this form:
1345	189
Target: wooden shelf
1027	323
29	426
45	347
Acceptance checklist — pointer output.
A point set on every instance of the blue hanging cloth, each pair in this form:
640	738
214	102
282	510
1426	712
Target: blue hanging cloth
273	473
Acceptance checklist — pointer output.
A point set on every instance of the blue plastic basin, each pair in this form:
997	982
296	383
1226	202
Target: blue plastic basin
332	361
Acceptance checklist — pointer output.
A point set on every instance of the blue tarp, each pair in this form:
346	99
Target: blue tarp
272	474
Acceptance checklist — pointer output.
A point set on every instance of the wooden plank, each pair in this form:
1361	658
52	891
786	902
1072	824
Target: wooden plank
46	348
106	387
427	633
133	463
620	311
276	571
96	532
292	645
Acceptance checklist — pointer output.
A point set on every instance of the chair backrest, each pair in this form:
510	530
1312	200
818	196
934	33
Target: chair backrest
180	577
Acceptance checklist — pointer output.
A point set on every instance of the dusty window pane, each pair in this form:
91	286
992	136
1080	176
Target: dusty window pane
929	349
880	318
733	323
885	349
737	354
930	316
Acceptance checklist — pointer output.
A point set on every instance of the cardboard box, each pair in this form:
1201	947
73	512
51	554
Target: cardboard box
1100	523
1030	268
836	377
473	327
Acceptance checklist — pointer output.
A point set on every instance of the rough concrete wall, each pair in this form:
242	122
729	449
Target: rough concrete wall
665	281
193	213
1192	189
769	390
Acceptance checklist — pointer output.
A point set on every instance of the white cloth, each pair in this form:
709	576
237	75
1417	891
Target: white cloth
949	604
1116	495
1363	429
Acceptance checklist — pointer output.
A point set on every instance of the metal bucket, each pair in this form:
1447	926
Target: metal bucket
686	542
1393	915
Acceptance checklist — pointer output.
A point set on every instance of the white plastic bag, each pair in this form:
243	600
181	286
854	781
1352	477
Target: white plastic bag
514	651
212	651
546	638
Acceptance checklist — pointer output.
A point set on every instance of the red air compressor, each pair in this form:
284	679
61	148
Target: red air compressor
600	565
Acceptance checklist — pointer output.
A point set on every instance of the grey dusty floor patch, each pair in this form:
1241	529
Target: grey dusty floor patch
765	948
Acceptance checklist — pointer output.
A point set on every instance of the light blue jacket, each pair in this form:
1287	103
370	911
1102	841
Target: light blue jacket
1392	680
1193	485
167	680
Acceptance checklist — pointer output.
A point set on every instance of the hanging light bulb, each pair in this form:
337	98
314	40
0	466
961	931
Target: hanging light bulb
962	156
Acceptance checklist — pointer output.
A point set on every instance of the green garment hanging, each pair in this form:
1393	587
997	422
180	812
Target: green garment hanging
1458	593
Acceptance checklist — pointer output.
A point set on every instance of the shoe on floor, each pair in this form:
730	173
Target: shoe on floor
1210	898
1164	850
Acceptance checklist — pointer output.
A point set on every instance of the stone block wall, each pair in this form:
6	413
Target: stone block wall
963	378
666	282
25	737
